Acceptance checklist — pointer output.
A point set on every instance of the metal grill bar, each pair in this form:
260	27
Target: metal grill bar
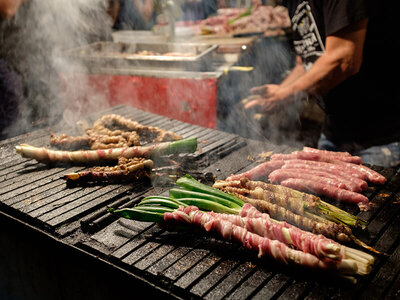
38	191
188	265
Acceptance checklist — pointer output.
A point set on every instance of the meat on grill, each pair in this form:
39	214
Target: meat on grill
327	190
264	246
113	131
331	153
279	175
317	156
369	174
263	225
337	175
323	170
259	172
127	169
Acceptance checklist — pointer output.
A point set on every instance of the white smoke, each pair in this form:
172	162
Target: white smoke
34	44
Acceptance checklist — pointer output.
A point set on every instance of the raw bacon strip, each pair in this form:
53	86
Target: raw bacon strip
316	157
251	241
325	172
317	245
281	174
370	174
331	230
332	153
258	172
331	167
328	191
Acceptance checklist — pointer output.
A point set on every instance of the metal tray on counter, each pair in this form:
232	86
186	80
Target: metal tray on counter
171	56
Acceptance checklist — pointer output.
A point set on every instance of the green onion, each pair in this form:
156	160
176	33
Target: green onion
336	214
163	201
189	183
182	193
181	146
152	208
209	205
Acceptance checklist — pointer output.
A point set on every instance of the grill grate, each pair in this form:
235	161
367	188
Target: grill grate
194	266
185	264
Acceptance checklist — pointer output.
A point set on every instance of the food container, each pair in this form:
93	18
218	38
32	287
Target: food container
137	36
160	56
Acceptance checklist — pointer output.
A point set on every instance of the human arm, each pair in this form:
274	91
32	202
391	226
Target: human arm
342	58
295	73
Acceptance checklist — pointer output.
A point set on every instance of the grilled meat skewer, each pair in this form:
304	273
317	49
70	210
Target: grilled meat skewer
49	156
126	170
113	131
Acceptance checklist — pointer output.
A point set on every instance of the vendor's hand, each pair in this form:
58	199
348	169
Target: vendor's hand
272	98
265	90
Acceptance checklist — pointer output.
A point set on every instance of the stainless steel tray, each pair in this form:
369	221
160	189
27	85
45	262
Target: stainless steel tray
172	56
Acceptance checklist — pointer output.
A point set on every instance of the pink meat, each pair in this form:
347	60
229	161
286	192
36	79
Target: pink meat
327	190
258	172
264	226
324	171
362	184
332	153
331	167
252	241
325	178
317	156
370	174
250	211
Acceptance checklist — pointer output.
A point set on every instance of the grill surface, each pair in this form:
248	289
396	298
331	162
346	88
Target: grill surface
183	264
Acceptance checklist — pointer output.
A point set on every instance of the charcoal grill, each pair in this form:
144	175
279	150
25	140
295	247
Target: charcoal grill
64	244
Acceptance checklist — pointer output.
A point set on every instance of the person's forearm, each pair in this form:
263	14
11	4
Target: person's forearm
295	73
342	59
324	75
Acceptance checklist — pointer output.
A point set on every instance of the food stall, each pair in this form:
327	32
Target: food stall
72	220
192	76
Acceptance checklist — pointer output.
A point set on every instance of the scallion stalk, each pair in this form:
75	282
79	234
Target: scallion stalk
209	205
178	193
163	201
189	183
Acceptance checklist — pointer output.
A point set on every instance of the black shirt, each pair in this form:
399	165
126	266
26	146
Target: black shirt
363	110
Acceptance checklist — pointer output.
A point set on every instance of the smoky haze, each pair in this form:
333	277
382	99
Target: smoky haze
272	59
33	44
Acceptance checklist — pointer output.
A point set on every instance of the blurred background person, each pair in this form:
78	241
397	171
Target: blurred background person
11	88
135	15
194	10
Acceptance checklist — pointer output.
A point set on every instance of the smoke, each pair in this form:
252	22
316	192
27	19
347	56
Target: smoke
272	59
295	125
34	44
